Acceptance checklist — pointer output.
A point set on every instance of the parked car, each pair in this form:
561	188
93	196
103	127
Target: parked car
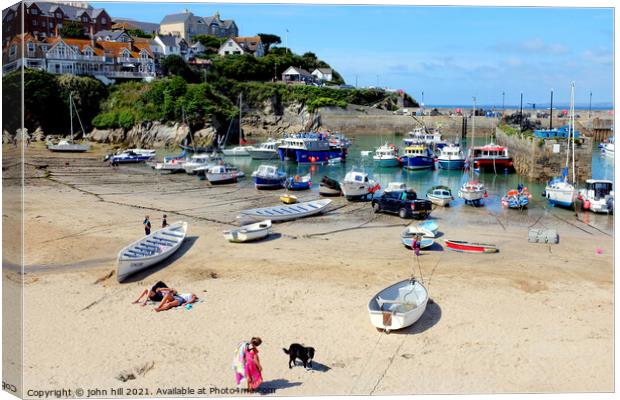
405	203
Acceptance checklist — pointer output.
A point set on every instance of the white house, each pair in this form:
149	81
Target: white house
294	74
243	45
196	48
323	74
165	45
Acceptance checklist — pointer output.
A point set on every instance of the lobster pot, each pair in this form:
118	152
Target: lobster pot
549	236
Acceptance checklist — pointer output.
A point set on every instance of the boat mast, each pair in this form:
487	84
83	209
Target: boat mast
572	124
240	105
71	114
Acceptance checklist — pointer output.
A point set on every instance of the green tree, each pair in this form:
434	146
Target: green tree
140	33
269	39
87	93
212	43
176	65
72	29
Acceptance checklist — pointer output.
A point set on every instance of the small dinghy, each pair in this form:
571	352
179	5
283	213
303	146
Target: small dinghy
468	247
288	199
412	231
429	228
440	195
424	243
398	306
516	199
285	212
248	233
150	250
329	187
299	182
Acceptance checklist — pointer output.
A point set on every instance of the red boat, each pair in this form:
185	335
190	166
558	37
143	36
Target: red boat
490	157
467	247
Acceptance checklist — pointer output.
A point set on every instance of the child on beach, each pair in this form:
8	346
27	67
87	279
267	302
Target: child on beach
246	364
164	222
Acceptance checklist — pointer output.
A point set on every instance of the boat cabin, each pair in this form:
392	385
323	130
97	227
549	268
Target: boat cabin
598	189
489	151
417	151
451	150
396	186
355	176
266	170
386	151
306	141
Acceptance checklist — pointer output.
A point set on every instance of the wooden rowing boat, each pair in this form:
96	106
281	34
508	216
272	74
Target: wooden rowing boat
150	250
398	306
248	233
468	247
285	212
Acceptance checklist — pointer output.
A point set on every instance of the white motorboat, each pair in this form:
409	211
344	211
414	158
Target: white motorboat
150	250
396	187
265	151
143	152
247	233
386	156
608	148
357	185
68	145
172	165
473	192
398	306
451	157
238	151
284	212
223	174
200	160
440	195
598	196
268	177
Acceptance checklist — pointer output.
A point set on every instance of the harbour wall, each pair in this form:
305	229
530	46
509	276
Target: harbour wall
541	160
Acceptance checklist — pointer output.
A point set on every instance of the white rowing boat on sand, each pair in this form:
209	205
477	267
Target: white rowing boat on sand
285	212
247	233
398	306
150	250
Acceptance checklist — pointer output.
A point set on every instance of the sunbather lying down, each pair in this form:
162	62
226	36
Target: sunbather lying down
173	299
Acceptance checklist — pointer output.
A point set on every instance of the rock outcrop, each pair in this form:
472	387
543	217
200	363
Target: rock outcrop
274	119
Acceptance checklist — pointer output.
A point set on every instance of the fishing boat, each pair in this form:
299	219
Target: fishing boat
248	233
398	306
329	187
129	156
559	191
417	157
268	177
440	195
282	213
288	198
451	157
516	199
396	187
220	174
490	157
598	196
299	182
422	135
424	242
386	156
310	148
357	185
68	145
172	164
265	151
150	250
608	148
468	247
473	192
200	160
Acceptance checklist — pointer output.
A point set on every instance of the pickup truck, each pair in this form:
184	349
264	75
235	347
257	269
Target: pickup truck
405	203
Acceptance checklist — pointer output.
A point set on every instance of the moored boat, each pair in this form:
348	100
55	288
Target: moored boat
248	233
598	196
150	250
265	151
311	148
418	157
469	247
451	157
200	160
357	185
386	156
219	174
68	145
440	195
473	192
281	213
268	177
490	157
398	306
238	151
299	182
129	156
329	187
516	198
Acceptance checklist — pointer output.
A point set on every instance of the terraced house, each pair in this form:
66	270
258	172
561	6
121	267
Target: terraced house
187	25
45	19
104	60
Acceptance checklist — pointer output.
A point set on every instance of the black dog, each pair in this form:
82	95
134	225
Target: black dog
305	354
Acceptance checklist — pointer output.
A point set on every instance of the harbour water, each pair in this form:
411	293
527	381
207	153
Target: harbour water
422	180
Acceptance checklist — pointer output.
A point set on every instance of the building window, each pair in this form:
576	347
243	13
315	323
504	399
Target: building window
30	47
58	15
104	20
9	17
34	22
59	26
13	50
84	18
34	11
51	25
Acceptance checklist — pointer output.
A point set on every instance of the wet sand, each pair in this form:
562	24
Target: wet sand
532	318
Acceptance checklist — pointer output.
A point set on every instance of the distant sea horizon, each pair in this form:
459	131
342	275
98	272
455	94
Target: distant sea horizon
539	107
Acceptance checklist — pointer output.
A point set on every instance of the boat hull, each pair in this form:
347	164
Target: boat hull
467	247
309	157
285	212
249	233
263	154
424	243
266	183
355	191
389	317
71	148
440	201
494	164
451	164
222	178
416	163
387	162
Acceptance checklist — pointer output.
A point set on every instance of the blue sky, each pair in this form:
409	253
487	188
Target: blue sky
450	53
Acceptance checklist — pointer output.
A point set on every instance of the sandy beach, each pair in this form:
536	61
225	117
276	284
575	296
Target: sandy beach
532	318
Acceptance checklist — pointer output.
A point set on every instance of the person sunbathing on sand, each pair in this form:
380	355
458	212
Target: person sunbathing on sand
152	294
173	299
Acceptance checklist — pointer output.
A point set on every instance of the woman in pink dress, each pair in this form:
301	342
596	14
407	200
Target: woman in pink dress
253	369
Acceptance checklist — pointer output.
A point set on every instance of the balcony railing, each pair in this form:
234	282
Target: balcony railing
133	60
125	74
74	57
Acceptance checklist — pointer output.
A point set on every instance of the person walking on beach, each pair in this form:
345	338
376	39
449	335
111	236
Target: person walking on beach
147	225
246	364
164	222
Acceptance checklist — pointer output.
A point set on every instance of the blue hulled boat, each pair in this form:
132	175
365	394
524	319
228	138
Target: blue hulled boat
268	177
311	148
418	157
299	182
129	156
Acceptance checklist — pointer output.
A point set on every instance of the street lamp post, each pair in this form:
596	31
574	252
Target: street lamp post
521	114
551	112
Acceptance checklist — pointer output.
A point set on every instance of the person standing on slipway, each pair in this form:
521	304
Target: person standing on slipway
147	225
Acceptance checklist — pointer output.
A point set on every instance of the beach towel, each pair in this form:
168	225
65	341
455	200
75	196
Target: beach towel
238	364
252	372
